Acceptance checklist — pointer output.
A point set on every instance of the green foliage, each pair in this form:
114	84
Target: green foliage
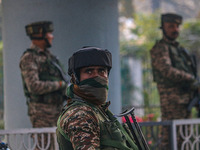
1	46
126	8
147	32
190	36
127	87
147	27
192	26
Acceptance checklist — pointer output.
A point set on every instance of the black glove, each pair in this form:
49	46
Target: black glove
196	84
3	146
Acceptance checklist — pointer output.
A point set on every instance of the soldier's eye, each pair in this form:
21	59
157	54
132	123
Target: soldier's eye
102	70
88	71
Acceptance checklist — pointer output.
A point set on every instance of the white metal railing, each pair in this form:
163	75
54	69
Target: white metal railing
27	139
189	130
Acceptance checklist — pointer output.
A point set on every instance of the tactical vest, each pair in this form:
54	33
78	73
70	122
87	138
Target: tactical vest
112	135
48	72
180	59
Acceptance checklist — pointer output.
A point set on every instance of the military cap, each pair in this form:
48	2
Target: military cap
89	56
39	27
170	17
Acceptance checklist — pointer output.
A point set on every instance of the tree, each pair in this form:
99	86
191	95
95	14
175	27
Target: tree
126	8
146	31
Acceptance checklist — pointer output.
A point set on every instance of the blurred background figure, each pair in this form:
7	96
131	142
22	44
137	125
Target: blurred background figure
43	77
174	72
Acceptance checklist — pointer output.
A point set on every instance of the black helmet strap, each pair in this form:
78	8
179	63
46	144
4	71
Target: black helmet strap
74	78
42	38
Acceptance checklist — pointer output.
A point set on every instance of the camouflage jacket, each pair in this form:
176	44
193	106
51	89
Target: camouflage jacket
40	77
171	65
86	126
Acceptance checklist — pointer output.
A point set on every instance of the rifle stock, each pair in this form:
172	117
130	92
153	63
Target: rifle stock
135	129
193	102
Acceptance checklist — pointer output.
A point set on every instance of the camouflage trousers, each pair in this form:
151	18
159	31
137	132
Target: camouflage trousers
44	115
173	106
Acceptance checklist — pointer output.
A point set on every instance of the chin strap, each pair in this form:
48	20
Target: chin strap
47	42
164	33
48	45
74	79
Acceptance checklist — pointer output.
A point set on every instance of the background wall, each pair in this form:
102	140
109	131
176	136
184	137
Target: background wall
77	23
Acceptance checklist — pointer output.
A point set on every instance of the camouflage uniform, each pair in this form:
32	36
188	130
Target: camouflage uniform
84	117
43	79
174	76
86	126
42	85
42	88
86	122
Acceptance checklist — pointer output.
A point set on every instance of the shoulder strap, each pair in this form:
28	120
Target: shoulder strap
190	58
171	56
130	141
60	70
60	130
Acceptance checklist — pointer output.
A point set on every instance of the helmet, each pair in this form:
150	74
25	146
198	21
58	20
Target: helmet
39	27
89	56
170	17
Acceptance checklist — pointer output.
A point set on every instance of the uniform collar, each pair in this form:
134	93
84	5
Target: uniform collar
38	49
174	43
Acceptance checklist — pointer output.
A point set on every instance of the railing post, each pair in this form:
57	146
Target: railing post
55	142
173	135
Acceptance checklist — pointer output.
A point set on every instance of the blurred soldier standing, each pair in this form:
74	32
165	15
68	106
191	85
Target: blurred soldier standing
174	72
86	122
42	76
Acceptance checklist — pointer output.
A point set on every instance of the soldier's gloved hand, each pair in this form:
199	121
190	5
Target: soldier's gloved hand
195	85
63	84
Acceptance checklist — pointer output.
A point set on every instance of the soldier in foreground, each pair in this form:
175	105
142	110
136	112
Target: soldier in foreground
43	82
86	122
174	72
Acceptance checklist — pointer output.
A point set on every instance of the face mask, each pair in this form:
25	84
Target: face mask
94	90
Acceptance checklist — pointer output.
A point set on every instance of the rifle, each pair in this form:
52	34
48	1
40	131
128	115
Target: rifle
61	71
196	99
135	129
195	102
